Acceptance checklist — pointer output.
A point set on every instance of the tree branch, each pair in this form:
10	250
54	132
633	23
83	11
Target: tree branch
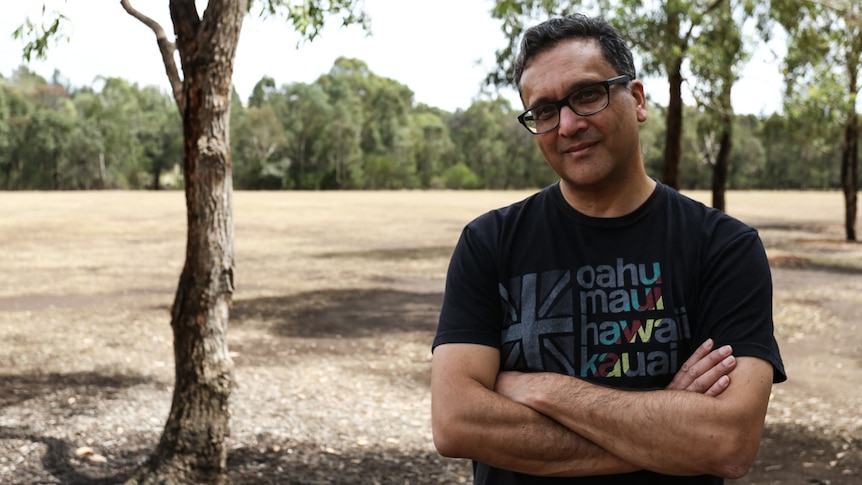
709	9
166	48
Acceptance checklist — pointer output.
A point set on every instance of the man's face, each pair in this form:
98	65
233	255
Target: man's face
600	151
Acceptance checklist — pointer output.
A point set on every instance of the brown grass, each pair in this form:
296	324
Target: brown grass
88	280
100	243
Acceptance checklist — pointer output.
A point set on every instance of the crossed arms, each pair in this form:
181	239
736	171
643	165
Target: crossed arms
709	420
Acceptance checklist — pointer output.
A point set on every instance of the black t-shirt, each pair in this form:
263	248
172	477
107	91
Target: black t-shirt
621	302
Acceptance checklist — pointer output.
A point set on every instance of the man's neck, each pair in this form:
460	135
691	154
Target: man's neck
609	202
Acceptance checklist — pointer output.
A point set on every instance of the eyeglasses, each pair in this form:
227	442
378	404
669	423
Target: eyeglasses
585	101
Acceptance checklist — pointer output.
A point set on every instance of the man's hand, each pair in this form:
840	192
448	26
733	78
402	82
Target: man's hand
706	371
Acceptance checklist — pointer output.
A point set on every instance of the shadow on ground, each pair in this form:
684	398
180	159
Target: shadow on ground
792	454
60	462
341	313
311	463
788	455
269	463
84	386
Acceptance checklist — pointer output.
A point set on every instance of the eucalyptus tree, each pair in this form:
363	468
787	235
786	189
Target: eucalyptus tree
45	150
747	172
306	115
192	448
16	112
525	164
379	107
816	121
480	134
430	142
85	170
159	134
825	45
5	135
115	112
258	141
718	70
343	152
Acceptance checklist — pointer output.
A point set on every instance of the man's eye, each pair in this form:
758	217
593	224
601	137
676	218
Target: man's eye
545	112
587	95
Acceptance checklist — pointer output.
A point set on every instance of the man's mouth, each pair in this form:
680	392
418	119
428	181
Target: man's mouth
579	148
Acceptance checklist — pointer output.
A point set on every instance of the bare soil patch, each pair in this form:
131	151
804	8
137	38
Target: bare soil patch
332	322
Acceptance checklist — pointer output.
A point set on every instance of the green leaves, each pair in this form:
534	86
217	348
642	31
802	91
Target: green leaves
38	36
309	16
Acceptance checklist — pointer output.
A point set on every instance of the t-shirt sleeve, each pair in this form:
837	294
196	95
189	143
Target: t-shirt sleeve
738	299
471	311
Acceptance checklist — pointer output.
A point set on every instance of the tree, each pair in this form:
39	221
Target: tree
258	140
192	447
46	142
344	150
379	107
306	115
717	68
481	137
430	142
5	135
159	135
826	44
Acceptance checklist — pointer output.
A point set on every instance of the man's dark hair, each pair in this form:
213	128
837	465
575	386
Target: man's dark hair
548	34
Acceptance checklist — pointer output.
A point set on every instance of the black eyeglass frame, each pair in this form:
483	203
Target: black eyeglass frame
524	117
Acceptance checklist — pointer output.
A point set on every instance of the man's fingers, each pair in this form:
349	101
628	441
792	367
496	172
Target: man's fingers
685	376
706	370
713	380
720	386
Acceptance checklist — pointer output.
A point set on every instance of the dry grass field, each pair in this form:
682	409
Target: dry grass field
335	309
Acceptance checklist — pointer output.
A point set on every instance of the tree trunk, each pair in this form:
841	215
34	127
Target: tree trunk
720	169
850	154
673	133
157	176
850	173
192	448
102	174
722	161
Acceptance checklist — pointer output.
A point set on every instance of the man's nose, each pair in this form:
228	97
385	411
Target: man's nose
570	122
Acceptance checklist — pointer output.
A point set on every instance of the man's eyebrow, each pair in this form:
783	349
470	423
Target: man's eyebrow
569	90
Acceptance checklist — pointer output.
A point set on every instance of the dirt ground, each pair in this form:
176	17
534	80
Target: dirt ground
331	327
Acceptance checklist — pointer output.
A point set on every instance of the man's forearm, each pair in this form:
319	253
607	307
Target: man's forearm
471	420
669	431
512	436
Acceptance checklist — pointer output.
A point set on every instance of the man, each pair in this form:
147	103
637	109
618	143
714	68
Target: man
606	330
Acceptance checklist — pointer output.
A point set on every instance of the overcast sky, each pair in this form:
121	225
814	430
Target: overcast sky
440	49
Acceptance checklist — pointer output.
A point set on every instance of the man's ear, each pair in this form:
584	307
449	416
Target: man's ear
639	96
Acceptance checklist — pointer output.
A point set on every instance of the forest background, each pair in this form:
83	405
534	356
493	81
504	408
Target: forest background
353	129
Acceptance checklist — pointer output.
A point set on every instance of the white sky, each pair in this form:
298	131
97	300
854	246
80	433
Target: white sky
440	49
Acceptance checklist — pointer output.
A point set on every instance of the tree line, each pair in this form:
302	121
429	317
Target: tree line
353	129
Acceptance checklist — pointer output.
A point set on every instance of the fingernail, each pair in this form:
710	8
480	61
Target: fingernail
726	350
728	361
707	344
